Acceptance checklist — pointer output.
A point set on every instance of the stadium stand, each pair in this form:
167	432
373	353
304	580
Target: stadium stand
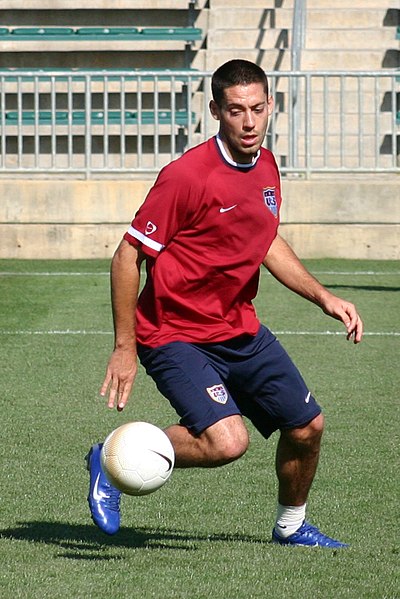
103	34
67	34
65	38
113	90
98	117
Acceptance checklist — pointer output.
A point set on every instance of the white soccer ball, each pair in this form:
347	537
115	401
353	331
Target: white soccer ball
137	458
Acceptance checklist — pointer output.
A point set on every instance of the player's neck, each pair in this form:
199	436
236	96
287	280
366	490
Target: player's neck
224	151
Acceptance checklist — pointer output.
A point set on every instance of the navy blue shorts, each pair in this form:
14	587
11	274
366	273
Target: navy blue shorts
247	375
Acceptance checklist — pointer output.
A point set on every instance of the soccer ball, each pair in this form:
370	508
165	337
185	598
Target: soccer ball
137	458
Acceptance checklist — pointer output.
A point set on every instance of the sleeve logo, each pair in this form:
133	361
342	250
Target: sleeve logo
150	228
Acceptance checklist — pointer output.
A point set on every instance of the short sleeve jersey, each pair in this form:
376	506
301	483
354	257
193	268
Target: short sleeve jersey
205	227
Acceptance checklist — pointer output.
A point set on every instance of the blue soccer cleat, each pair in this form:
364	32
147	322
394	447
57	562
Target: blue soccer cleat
308	535
103	498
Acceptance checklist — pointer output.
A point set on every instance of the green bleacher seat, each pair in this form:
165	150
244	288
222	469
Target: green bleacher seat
61	117
42	31
102	33
107	31
166	33
43	116
4	31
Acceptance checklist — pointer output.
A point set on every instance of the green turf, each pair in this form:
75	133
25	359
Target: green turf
206	534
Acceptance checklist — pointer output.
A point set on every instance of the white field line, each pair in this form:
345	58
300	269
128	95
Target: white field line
278	333
349	273
52	274
300	333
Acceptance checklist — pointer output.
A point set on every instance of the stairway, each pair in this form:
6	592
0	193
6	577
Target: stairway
337	37
362	37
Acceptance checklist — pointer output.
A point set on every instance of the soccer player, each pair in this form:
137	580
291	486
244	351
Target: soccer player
208	224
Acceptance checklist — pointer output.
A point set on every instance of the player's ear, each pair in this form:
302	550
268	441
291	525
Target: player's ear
214	109
270	104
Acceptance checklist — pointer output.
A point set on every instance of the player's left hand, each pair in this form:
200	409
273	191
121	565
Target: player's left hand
346	312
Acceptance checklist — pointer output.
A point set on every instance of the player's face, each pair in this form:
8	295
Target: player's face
243	120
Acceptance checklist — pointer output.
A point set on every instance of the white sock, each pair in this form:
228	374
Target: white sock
289	518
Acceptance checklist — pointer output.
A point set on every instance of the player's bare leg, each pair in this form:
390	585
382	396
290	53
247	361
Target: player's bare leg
219	444
297	460
296	463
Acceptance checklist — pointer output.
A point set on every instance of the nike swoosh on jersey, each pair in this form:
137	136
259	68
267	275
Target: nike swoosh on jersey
222	210
307	399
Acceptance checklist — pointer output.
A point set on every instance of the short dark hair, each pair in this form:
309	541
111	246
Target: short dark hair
236	72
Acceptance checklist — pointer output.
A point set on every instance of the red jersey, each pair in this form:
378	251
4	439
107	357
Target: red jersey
205	226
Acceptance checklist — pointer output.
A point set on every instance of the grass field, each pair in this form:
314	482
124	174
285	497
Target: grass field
206	534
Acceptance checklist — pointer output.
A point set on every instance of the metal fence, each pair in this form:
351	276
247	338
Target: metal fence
92	123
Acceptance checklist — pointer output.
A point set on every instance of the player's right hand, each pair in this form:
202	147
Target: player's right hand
120	376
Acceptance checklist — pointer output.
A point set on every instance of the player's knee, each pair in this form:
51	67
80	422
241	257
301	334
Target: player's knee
229	442
307	436
315	428
233	448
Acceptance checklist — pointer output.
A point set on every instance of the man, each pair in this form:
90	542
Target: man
207	225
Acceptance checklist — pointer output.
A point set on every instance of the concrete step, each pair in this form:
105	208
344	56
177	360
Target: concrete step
353	158
349	146
264	39
351	39
264	4
352	124
99	4
347	164
73	168
250	18
333	84
314	60
136	58
95	46
330	18
355	4
269	60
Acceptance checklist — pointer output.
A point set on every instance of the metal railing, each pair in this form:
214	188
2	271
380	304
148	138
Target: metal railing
91	123
298	33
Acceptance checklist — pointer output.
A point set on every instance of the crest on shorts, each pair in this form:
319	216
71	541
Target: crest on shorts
218	393
270	200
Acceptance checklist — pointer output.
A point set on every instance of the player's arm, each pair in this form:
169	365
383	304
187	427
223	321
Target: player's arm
283	263
122	365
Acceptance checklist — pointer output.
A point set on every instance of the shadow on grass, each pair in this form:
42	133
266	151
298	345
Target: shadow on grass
363	287
87	542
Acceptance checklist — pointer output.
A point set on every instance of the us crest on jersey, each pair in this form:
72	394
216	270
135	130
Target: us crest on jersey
270	200
218	393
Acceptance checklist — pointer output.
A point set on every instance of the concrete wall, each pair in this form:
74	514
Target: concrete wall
357	219
86	219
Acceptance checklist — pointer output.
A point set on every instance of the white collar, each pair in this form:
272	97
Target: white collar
229	159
